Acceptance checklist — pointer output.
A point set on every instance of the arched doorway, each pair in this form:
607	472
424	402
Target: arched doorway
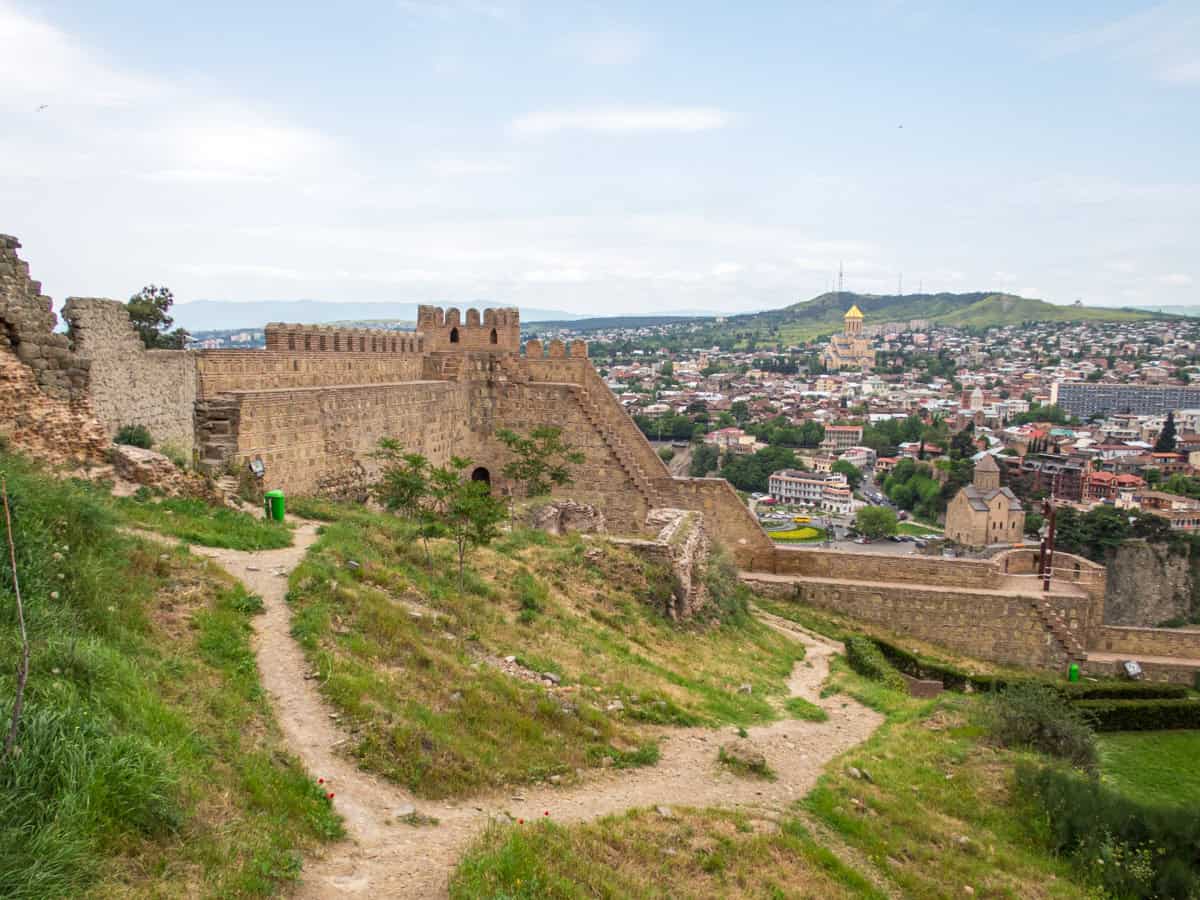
482	474
494	338
454	335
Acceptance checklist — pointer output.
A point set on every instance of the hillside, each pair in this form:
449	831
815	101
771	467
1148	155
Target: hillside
823	314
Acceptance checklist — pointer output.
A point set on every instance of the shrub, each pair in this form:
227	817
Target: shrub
134	436
1124	690
731	598
1038	717
666	454
1132	849
865	659
1141	715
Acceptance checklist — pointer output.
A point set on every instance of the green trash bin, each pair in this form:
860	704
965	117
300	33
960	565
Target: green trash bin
273	505
1072	670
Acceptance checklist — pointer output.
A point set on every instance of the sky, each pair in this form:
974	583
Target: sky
603	158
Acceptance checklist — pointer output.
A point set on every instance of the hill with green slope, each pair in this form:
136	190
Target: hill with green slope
823	314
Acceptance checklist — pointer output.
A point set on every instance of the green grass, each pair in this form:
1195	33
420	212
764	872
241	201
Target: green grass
201	523
431	713
915	530
149	763
691	854
799	708
1157	767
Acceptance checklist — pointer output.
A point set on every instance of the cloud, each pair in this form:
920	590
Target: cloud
450	9
621	120
1175	279
1163	40
606	48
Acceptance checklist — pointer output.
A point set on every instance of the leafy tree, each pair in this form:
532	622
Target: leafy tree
750	472
875	521
405	486
465	508
1166	438
853	475
148	312
963	444
542	459
740	411
706	458
666	454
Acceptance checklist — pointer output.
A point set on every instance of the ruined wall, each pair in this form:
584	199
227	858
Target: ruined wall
130	385
222	371
730	520
27	323
1142	642
1149	584
47	427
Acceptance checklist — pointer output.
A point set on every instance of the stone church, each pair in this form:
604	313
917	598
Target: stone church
984	513
849	350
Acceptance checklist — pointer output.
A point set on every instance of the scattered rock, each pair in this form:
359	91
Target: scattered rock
615	706
665	811
556	779
406	810
552	677
456	697
854	772
353	564
745	689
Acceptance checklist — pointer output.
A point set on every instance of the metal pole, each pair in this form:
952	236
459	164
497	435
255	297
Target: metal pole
1048	546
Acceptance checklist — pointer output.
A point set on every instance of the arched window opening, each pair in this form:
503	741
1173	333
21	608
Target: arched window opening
495	338
482	474
454	335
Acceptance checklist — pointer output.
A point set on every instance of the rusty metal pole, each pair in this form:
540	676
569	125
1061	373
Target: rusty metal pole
1048	545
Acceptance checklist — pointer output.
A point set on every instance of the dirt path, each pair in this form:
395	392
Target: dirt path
387	858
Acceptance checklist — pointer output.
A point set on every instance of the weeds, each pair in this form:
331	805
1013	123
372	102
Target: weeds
799	708
199	523
1038	717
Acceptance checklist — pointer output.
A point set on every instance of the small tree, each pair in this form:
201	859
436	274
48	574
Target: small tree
875	521
405	487
542	459
148	312
851	471
1166	437
466	509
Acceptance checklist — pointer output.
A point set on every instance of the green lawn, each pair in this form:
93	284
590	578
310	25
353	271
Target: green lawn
1153	766
917	530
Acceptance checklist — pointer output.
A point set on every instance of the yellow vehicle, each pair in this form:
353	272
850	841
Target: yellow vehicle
801	520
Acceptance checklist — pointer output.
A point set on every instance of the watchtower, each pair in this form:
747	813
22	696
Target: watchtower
496	331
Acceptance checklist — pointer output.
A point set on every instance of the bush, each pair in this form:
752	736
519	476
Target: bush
1038	717
865	659
666	454
1132	849
1124	690
134	436
1141	715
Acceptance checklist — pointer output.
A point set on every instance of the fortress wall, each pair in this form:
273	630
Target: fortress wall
495	330
128	384
1002	629
1090	576
319	441
885	568
1140	642
330	339
269	370
601	480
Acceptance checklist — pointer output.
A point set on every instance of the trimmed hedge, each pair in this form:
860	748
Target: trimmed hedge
1141	715
1124	690
866	659
1146	851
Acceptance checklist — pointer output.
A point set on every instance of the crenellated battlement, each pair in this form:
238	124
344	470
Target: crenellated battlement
328	339
495	331
556	349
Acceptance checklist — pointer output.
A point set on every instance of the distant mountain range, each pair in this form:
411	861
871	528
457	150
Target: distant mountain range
213	315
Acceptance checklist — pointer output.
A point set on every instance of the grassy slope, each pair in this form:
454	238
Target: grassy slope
149	762
1153	766
429	713
199	523
932	782
822	315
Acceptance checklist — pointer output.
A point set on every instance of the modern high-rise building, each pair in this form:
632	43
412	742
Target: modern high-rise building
1085	398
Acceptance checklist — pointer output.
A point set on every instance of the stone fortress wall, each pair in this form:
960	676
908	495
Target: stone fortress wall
313	405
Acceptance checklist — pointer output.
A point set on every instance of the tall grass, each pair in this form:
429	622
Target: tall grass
202	523
128	718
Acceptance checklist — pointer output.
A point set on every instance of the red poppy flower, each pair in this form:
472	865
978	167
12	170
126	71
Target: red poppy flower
329	796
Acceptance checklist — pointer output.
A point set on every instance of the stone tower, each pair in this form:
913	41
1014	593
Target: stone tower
853	321
987	474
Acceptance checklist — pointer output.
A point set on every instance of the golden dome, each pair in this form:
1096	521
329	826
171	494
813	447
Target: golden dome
853	312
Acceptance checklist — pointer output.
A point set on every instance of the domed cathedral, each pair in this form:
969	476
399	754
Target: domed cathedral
849	350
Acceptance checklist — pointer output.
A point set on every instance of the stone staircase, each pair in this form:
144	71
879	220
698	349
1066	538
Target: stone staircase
620	449
1057	626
